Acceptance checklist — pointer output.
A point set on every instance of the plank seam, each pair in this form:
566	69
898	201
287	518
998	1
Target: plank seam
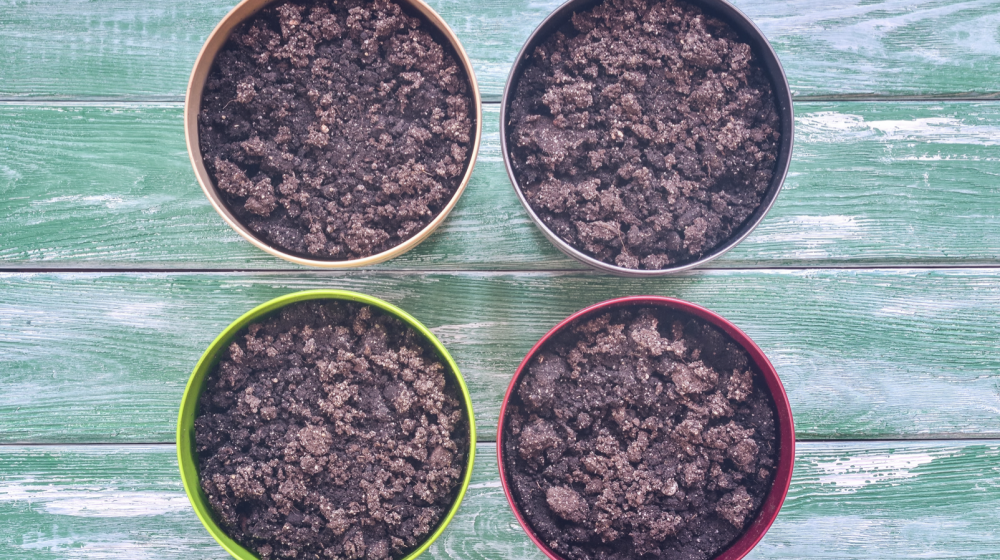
174	101
493	272
992	438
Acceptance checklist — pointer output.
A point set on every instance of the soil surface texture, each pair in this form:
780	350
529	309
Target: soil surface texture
329	431
336	129
642	433
644	132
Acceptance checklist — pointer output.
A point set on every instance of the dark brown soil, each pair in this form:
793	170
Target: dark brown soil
644	132
642	433
336	129
329	431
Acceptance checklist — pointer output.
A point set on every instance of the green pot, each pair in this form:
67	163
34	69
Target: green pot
188	460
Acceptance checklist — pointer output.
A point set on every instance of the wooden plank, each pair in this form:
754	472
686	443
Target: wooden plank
862	353
130	49
847	500
124	49
110	186
883	47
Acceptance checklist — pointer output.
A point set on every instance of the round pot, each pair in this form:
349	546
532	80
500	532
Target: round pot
192	106
783	95
786	431
187	457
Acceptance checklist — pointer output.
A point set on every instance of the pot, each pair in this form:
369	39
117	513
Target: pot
786	430
783	95
192	106
187	457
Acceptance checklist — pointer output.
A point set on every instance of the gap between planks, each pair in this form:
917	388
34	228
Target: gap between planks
486	272
173	101
482	441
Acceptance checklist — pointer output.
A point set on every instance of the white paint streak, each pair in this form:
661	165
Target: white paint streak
110	547
491	484
107	200
978	36
871	29
807	235
835	127
854	473
77	501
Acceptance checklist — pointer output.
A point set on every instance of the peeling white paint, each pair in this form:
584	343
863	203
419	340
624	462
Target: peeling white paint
491	484
110	201
836	127
852	473
110	547
973	38
874	23
77	501
811	232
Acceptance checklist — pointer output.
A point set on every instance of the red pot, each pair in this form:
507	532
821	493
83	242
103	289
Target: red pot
786	431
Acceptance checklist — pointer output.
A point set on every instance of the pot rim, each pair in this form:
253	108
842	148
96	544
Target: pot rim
783	97
186	455
786	429
192	106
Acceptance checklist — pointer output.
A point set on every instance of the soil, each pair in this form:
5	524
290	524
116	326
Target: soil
642	433
329	431
644	132
336	129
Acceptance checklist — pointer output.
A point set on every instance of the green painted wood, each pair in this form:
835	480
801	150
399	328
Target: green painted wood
866	354
123	49
870	184
847	500
130	49
112	187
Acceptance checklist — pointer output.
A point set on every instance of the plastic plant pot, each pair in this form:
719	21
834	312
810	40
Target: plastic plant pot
192	106
786	432
749	33
187	457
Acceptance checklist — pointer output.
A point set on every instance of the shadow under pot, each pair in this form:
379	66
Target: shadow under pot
333	134
646	137
326	424
645	427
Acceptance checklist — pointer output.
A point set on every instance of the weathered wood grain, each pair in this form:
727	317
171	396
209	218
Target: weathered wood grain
129	49
112	187
883	47
863	353
870	184
847	500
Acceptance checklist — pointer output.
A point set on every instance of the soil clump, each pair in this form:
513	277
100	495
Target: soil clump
644	132
641	433
330	431
336	129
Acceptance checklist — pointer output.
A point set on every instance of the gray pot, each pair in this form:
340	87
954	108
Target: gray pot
762	49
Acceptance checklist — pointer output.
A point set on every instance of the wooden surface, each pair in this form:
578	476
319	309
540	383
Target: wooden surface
874	183
882	353
873	284
883	500
141	50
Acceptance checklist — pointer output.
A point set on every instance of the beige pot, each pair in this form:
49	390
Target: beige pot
192	106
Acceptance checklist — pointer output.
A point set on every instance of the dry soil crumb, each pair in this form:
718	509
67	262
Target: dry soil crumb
644	132
642	433
336	129
330	432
